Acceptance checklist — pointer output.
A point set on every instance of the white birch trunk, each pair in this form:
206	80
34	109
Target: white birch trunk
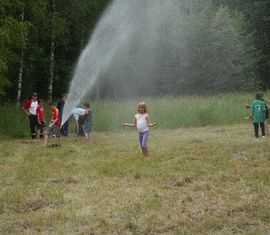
19	86
51	74
20	75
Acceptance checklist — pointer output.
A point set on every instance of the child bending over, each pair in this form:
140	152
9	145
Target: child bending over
53	129
87	120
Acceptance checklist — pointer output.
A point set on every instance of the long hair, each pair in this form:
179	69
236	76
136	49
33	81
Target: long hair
142	105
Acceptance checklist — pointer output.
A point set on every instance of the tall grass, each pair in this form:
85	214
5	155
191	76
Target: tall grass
13	122
168	112
171	113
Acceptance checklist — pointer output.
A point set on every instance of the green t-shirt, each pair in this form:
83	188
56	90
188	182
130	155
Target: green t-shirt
258	111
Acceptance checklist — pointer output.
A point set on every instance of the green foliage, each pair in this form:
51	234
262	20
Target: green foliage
14	122
200	49
224	46
13	33
257	14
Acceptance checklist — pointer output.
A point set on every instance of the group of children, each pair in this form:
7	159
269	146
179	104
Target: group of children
36	113
83	116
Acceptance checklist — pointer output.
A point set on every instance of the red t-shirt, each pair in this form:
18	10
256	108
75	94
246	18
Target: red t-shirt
55	116
31	106
40	114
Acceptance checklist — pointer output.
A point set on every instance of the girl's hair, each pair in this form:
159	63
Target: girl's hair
87	105
142	105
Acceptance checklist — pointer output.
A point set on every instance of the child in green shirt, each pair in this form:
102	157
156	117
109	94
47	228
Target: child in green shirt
258	115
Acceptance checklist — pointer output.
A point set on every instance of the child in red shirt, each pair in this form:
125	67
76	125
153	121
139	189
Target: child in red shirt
53	129
30	108
40	119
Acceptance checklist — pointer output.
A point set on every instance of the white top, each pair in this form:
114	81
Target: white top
77	112
141	120
33	107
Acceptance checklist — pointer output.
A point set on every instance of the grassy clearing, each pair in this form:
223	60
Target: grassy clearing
170	113
211	180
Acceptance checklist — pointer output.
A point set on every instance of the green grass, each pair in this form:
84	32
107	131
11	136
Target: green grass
209	180
171	113
168	112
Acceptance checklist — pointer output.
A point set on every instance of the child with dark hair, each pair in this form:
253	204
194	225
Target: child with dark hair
266	112
40	119
78	116
258	115
30	108
53	129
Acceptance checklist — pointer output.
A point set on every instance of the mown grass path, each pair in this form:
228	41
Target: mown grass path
211	180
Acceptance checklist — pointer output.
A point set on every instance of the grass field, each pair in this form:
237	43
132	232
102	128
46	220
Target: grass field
208	180
169	112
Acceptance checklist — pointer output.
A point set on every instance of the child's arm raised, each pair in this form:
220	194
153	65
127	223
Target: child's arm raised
247	106
134	124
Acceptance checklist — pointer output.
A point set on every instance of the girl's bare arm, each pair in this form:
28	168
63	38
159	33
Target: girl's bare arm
149	122
134	124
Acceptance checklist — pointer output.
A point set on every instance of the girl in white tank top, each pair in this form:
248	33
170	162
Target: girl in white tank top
142	122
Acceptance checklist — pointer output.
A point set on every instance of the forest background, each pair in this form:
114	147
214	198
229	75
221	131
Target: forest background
227	44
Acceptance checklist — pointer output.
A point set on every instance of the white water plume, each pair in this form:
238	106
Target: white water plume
125	23
159	47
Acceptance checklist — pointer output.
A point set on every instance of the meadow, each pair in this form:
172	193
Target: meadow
168	112
209	179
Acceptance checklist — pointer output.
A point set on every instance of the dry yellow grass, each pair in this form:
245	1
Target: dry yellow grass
211	180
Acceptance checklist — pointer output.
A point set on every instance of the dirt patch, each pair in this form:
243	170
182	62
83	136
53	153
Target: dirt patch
183	182
22	226
31	204
35	204
242	209
54	146
68	180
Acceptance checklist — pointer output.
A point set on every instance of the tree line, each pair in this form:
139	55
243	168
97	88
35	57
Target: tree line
40	41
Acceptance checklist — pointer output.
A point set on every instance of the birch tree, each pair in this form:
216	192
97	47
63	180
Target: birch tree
21	66
52	48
